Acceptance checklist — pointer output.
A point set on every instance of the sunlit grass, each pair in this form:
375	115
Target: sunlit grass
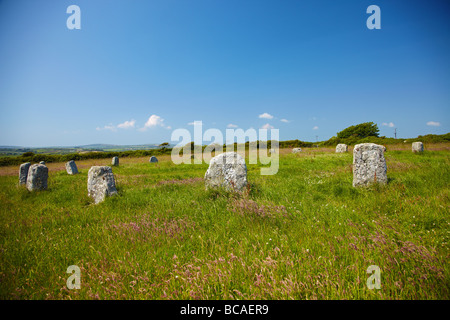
304	233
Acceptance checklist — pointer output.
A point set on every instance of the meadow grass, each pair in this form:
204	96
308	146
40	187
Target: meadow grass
304	233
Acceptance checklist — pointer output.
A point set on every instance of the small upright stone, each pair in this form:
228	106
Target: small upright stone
153	159
296	150
37	177
341	148
417	147
369	165
115	161
23	172
71	167
227	170
101	183
42	162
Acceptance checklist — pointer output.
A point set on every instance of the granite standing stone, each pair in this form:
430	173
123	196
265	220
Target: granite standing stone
42	162
37	177
341	148
296	150
369	165
227	170
153	159
115	161
23	172
71	167
101	183
417	147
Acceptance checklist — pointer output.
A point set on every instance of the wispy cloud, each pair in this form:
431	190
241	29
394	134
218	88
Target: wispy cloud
315	128
433	123
232	126
127	124
267	126
285	120
107	127
390	124
265	115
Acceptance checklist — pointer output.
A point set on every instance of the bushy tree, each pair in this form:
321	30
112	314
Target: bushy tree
363	130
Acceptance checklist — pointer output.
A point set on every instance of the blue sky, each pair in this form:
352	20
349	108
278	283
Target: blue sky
139	69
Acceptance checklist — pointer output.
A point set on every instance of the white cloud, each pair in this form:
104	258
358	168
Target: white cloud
433	123
127	124
315	128
390	124
267	126
108	127
154	121
284	120
232	126
265	115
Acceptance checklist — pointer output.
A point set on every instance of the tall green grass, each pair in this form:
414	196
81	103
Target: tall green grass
304	233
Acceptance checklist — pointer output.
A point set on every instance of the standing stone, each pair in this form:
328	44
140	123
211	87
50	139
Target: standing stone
101	183
227	170
23	172
71	167
42	162
369	165
153	159
417	147
115	161
341	148
37	177
296	150
272	151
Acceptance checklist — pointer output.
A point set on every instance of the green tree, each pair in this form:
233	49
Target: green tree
363	130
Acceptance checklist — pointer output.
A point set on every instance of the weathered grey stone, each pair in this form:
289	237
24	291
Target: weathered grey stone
71	167
272	151
153	159
341	148
115	161
42	162
23	172
37	177
227	170
417	147
369	165
296	150
101	183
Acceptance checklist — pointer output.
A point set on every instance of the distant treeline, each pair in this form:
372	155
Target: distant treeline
48	158
351	140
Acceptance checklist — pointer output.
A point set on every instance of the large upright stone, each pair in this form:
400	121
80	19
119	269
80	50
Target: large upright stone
341	148
153	159
115	161
101	183
227	170
71	167
417	147
42	162
23	172
369	165
296	150
37	177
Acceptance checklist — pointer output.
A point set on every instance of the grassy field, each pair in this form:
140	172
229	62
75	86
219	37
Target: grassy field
304	233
